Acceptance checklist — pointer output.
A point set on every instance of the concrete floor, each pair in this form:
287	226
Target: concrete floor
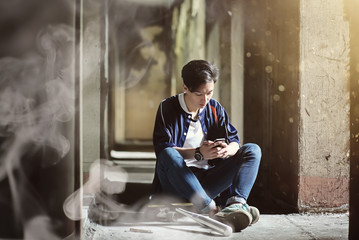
292	226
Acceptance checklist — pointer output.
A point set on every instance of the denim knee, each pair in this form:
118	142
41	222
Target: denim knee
252	147
170	156
253	150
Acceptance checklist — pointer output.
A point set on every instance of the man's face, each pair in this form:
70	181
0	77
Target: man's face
199	97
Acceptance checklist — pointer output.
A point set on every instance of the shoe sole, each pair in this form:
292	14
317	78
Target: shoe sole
238	220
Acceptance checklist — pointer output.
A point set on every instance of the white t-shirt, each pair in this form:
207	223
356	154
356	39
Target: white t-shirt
194	137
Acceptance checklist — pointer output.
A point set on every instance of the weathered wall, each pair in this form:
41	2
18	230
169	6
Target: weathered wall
149	46
189	37
271	100
324	105
352	8
296	77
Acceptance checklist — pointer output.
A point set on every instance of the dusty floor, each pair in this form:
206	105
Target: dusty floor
292	226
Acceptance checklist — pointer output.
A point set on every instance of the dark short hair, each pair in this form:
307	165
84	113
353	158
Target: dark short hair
198	72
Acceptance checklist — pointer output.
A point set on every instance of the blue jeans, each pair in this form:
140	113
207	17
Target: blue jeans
200	186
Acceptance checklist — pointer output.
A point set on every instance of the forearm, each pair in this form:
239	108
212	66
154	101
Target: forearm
186	153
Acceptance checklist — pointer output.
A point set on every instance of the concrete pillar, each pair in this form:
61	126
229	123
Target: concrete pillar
296	79
352	8
324	106
237	66
90	83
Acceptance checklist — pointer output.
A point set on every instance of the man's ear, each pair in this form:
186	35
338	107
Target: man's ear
185	88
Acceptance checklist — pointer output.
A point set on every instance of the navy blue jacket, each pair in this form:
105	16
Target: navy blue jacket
172	123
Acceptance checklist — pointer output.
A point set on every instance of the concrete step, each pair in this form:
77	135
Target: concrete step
140	166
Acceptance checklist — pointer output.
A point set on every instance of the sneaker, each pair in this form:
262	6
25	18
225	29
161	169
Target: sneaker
254	212
213	212
236	215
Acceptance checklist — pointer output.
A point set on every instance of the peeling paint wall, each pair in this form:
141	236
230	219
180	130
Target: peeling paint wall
149	46
324	105
189	30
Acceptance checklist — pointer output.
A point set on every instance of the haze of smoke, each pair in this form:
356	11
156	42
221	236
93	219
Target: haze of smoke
36	100
104	177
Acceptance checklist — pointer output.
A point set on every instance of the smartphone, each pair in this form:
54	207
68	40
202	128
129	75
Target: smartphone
219	140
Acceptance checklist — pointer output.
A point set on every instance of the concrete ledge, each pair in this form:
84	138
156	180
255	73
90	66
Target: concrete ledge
138	170
132	155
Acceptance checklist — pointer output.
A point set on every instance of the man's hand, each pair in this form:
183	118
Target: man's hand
219	149
211	150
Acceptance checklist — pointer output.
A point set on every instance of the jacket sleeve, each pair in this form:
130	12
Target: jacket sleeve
230	131
162	132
